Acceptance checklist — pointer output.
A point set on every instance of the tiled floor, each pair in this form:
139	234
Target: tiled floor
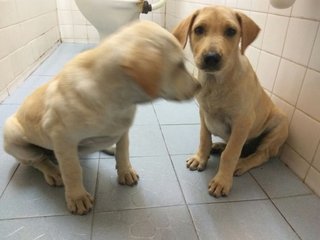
170	202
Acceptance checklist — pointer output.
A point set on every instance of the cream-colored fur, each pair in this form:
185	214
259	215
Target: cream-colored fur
91	103
233	105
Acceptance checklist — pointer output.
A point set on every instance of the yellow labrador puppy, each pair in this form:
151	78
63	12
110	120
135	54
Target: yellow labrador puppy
90	105
233	105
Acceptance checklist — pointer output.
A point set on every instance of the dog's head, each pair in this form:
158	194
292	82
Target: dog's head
155	61
215	34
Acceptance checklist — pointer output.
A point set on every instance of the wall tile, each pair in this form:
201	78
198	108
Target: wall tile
184	9
35	27
171	22
9	39
74	6
310	98
66	31
158	18
299	40
80	31
53	35
244	4
170	7
231	3
93	34
315	56
78	18
267	69
289	81
6	71
304	135
275	33
64	4
8	13
33	8
253	55
294	161
313	180
306	9
260	5
21	59
147	17
65	17
284	106
260	19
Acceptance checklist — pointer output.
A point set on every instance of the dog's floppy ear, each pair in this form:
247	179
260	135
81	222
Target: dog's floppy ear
182	31
143	64
249	30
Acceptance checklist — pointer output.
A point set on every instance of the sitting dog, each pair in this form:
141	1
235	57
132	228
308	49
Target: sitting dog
233	105
90	105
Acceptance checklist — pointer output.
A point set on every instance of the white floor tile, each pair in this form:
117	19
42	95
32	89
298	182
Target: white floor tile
59	228
157	186
28	195
303	214
278	181
153	223
195	184
240	220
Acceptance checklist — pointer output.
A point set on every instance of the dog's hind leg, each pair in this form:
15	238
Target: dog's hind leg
15	144
269	147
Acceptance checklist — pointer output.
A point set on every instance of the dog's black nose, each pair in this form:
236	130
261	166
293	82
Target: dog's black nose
211	60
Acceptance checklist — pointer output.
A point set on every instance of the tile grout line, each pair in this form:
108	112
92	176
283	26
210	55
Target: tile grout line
138	208
184	199
11	177
278	210
95	197
285	219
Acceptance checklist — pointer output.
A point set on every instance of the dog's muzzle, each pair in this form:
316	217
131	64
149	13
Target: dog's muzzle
211	61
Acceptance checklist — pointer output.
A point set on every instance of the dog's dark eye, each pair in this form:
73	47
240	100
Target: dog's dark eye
199	30
230	32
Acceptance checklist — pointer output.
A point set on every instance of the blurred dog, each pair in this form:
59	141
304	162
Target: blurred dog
90	105
233	105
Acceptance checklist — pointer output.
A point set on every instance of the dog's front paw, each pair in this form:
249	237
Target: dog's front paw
196	163
128	177
79	203
220	186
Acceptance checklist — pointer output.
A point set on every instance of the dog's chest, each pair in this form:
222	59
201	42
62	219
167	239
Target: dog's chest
218	123
216	116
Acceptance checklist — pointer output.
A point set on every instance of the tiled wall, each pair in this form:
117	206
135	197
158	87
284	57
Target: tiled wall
286	57
28	29
74	27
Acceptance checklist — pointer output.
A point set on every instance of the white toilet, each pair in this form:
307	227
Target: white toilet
109	15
